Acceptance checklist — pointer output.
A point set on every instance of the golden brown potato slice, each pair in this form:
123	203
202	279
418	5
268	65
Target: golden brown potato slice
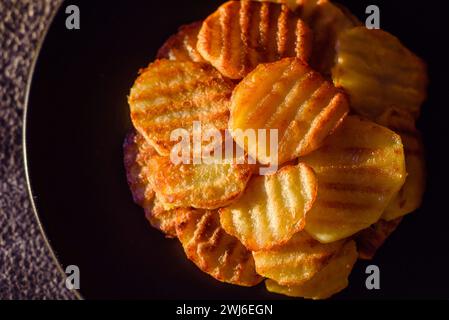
288	96
136	155
242	34
182	45
378	73
371	239
161	219
359	170
203	185
213	250
296	261
409	198
272	208
327	21
171	95
329	281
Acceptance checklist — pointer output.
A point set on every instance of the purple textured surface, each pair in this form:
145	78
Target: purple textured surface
27	270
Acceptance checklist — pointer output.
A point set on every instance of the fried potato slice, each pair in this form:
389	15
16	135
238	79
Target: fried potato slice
296	261
359	170
329	281
410	196
272	208
182	45
213	250
372	238
136	155
378	73
171	95
162	219
203	185
327	21
242	34
288	96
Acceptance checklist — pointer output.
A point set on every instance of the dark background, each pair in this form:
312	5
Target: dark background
78	116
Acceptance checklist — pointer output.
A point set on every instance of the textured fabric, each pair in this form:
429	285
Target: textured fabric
27	270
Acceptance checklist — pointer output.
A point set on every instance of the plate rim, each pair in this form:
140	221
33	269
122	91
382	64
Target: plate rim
31	196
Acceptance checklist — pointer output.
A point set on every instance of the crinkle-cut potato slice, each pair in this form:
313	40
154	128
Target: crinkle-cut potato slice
162	219
171	95
182	45
410	196
213	250
272	208
327	21
289	96
327	282
296	261
378	73
202	186
372	238
137	153
242	34
359	170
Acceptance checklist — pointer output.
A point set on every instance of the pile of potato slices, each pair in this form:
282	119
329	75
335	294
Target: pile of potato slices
344	100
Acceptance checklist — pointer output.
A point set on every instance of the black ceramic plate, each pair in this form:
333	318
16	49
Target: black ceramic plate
77	118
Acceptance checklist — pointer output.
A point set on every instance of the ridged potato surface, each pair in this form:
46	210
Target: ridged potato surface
213	250
359	170
170	95
330	280
202	186
291	4
242	34
290	97
379	73
296	261
272	208
327	20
